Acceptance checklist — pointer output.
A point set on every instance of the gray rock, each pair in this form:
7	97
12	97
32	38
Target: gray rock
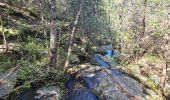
111	84
6	88
78	91
48	93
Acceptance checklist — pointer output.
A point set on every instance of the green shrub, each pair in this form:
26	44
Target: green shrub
6	61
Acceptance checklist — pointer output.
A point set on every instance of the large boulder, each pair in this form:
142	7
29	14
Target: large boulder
109	84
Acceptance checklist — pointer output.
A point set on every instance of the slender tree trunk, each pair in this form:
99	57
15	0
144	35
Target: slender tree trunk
53	34
4	37
167	62
43	21
165	74
144	17
42	18
72	35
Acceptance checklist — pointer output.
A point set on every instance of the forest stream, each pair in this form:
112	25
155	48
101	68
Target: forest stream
94	82
103	82
84	50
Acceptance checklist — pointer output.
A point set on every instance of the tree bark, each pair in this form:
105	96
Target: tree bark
3	34
43	21
53	34
165	74
144	17
72	35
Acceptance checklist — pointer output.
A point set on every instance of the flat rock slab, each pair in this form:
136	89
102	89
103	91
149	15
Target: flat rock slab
109	84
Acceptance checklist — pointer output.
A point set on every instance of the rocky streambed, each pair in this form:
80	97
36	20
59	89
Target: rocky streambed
102	82
89	81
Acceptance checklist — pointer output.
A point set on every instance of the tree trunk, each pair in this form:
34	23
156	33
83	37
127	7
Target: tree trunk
165	74
72	35
3	34
43	21
53	34
144	17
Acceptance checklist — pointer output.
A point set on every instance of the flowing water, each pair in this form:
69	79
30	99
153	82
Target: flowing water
84	91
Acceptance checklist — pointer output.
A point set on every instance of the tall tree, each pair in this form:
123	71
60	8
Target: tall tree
72	34
53	34
3	34
144	17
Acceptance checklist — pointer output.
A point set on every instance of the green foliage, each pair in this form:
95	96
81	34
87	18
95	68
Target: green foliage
34	46
28	70
27	85
35	50
6	61
57	77
34	53
25	33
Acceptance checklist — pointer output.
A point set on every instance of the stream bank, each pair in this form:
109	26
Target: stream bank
102	81
99	79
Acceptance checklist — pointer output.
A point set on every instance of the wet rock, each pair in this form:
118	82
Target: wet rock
109	53
70	84
47	93
111	84
91	82
105	82
27	94
100	61
6	88
81	94
118	84
106	61
78	91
